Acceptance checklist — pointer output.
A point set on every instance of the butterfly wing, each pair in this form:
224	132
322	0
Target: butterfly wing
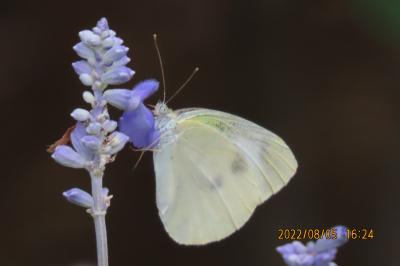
213	175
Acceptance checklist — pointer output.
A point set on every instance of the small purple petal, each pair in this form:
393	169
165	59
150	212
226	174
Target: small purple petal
102	24
305	260
83	51
76	136
105	191
294	247
79	197
108	42
91	142
82	67
86	79
88	37
121	62
117	142
114	54
117	41
324	258
139	126
124	99
145	89
117	76
118	98
66	156
133	103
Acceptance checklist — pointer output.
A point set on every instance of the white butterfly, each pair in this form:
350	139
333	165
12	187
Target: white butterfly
212	170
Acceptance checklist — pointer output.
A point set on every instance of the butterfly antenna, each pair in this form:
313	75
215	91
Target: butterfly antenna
183	85
161	65
139	159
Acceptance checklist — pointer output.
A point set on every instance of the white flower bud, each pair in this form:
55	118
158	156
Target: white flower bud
110	125
96	30
108	33
80	114
88	97
93	128
108	42
92	61
86	79
98	85
90	38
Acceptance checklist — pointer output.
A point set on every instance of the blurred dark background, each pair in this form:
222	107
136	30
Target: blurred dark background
324	75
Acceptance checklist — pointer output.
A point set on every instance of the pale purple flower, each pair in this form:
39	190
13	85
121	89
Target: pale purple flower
82	67
79	197
115	53
66	156
128	100
139	126
137	121
116	76
319	253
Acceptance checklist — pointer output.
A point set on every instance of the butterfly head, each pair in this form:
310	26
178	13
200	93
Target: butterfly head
161	109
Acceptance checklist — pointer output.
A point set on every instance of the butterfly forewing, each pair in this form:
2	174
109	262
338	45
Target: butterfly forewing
215	173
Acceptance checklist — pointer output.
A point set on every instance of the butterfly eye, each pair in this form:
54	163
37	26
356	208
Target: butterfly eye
163	108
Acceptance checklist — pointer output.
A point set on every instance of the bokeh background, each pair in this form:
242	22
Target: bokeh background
322	74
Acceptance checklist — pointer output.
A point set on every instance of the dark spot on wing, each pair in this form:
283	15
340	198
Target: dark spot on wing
263	153
238	165
218	181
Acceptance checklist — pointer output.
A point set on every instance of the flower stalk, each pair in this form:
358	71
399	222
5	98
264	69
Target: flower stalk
98	212
99	207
